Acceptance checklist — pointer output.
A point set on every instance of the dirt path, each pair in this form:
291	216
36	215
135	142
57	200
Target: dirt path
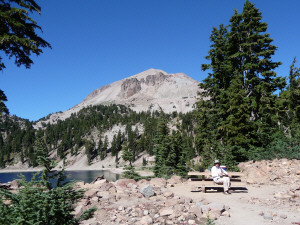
246	208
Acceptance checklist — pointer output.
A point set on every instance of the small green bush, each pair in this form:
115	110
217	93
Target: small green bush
37	202
130	173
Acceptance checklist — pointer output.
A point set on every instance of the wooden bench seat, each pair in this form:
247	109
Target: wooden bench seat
202	181
210	179
210	185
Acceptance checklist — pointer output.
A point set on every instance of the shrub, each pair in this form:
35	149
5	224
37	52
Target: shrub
38	202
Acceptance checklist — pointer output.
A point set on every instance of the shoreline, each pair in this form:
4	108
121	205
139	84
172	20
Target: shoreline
112	170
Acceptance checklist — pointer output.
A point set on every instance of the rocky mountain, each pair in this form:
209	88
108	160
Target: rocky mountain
152	89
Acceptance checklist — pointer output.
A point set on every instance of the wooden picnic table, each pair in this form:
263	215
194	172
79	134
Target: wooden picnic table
205	182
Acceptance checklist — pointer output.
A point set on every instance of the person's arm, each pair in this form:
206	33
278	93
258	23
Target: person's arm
224	171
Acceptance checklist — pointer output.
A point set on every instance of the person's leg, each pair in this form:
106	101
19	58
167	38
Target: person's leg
223	181
226	183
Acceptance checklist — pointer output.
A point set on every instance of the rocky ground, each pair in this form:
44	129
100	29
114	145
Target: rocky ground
146	202
273	197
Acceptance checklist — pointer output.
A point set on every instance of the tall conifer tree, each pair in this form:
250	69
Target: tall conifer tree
238	104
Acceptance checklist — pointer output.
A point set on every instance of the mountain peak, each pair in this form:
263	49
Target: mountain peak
151	89
150	71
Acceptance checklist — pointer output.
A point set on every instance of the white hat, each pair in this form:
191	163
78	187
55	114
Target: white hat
217	161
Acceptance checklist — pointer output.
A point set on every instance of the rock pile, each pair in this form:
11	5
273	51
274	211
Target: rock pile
282	171
282	174
144	202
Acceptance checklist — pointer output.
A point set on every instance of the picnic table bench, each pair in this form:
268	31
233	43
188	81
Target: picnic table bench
202	181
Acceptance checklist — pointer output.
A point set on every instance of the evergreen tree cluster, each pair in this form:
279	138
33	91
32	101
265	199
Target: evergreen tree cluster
20	141
245	108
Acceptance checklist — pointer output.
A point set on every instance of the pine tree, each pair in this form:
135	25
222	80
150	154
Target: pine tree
237	108
294	94
3	108
114	148
105	146
161	147
251	50
288	103
100	148
213	104
89	150
18	35
127	154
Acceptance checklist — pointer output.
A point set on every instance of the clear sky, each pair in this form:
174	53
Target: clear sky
97	42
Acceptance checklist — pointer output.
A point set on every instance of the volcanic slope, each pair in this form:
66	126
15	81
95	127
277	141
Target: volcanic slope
149	90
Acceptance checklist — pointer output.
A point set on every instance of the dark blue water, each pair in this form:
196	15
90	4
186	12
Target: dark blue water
82	175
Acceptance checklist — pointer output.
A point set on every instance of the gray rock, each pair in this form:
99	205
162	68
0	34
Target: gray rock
283	216
217	207
205	208
147	191
268	216
199	204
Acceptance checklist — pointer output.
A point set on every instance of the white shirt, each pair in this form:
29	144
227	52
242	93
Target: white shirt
217	172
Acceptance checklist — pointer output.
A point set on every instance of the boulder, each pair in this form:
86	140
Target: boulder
196	211
209	215
283	216
192	222
142	182
90	193
101	181
107	187
268	216
78	210
91	221
226	214
158	182
157	190
146	220
216	208
166	211
98	179
174	180
15	184
147	191
125	182
171	202
168	194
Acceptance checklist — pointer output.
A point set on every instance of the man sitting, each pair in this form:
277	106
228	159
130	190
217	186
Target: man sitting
218	175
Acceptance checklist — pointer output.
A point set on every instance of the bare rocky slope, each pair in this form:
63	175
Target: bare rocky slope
150	90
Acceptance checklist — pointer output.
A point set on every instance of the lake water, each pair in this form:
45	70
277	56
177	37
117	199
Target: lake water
82	175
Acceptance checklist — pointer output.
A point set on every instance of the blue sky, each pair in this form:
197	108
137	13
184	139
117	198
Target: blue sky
97	42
